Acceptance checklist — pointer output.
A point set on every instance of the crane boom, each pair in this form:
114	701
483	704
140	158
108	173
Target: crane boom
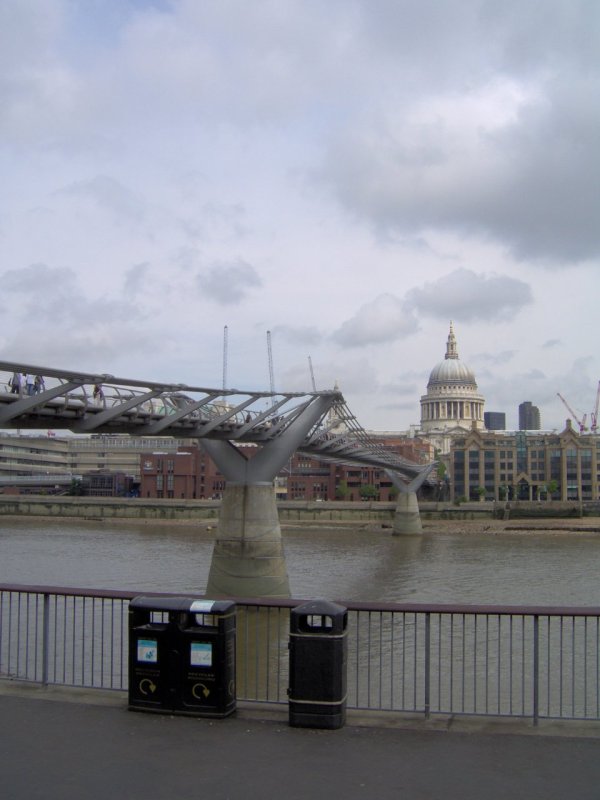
312	374
580	422
270	354
225	345
594	425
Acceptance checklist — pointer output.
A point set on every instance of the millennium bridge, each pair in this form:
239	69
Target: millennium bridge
248	558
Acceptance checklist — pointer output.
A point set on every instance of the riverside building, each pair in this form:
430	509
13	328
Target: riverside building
526	465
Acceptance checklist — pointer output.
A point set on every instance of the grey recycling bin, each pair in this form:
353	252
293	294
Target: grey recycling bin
182	656
318	665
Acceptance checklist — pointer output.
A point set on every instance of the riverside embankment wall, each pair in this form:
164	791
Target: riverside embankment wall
299	512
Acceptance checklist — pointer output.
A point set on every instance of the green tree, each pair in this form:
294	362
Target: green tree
368	491
342	491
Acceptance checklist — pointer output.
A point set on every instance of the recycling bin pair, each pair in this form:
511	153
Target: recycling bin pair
182	656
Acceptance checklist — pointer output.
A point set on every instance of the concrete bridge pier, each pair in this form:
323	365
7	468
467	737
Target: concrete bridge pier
407	518
248	558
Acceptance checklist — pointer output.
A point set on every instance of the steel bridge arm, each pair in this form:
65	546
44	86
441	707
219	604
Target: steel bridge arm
91	423
29	403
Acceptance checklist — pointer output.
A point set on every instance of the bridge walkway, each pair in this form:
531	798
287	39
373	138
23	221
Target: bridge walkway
68	745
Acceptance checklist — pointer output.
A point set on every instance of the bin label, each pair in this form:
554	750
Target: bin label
201	654
147	651
202	606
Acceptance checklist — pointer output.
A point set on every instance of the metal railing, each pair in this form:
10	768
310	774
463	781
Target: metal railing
536	662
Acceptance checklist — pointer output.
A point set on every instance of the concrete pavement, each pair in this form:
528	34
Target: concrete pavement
75	745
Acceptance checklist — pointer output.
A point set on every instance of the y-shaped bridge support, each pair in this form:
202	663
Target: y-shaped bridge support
248	558
407	519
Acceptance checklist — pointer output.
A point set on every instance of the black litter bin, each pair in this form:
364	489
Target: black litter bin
182	656
318	665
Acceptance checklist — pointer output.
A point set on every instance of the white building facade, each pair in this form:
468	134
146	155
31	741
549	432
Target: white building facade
452	403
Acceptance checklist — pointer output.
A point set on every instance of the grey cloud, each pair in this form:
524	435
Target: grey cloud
134	279
37	279
551	343
401	388
53	294
466	295
305	335
495	359
512	158
384	319
110	195
228	282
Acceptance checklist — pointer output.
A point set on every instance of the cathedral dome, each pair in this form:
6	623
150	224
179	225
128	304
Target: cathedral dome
451	370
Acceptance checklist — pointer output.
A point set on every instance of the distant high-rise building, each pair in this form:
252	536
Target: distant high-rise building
494	420
529	417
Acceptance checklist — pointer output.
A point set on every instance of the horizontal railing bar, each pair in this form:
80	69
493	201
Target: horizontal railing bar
351	605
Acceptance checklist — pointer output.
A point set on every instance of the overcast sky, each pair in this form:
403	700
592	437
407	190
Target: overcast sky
348	174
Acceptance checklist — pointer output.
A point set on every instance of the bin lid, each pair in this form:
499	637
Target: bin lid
318	618
324	607
194	605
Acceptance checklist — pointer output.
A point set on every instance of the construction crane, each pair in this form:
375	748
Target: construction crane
312	374
594	425
271	377
580	422
225	346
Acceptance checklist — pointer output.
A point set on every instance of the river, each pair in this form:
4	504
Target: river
517	568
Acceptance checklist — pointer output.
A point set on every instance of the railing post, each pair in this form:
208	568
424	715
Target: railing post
427	662
45	638
536	669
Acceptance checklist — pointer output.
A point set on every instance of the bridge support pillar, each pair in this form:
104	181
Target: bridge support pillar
248	558
407	519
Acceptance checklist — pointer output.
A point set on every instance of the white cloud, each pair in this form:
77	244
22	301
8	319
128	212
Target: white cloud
382	320
466	295
228	283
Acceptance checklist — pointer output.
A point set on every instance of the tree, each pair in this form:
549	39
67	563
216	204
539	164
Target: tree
368	491
341	490
552	488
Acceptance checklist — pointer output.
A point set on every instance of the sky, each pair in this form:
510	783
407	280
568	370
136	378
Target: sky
350	175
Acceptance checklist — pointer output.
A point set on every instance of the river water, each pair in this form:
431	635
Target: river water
516	568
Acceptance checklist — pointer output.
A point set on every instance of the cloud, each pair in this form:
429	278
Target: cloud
384	319
495	359
494	143
37	279
466	295
134	279
550	343
305	335
228	282
108	194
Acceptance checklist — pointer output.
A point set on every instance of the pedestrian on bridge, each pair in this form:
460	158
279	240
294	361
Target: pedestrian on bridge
15	383
29	383
98	394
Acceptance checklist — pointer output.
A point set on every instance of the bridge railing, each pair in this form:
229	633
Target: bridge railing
534	662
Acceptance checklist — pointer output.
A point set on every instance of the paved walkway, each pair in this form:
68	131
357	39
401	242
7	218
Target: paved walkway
61	746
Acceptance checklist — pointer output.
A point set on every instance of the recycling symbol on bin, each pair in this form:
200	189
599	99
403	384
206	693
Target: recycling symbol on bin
202	688
147	686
